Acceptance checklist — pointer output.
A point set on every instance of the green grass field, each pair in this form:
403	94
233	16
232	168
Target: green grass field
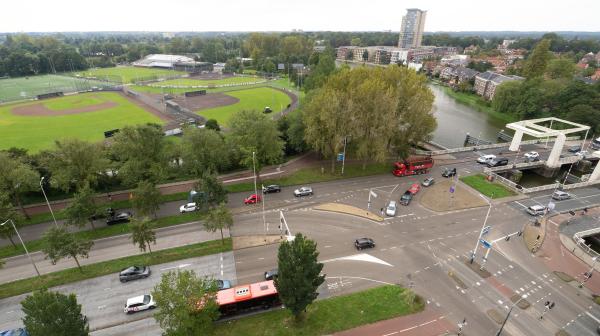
128	74
39	132
12	89
251	99
208	82
489	189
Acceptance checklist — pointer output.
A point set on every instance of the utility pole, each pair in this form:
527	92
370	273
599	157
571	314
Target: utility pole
265	227
547	306
24	247
587	275
49	207
508	315
344	157
482	228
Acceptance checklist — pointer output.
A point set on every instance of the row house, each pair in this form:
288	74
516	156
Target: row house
345	52
456	75
487	82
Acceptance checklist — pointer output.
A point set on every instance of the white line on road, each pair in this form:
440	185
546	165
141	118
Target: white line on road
174	267
592	316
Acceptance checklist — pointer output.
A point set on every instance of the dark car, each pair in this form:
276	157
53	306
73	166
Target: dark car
574	149
406	198
362	243
122	217
449	172
272	274
134	272
273	188
497	162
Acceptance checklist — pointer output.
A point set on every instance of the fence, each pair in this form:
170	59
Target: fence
475	148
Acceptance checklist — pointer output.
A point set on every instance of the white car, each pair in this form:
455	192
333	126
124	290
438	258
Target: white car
390	210
532	156
139	303
304	191
486	158
189	207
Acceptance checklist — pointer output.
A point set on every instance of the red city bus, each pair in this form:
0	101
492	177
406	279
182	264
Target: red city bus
248	297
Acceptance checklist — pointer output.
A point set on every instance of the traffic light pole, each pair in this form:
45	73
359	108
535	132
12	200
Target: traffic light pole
482	228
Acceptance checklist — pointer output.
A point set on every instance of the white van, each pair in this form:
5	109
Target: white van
536	210
484	159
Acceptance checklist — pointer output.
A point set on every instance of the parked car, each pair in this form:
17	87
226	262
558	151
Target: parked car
272	274
189	207
428	182
134	273
498	162
390	210
406	198
122	217
574	149
532	156
449	172
252	199
486	158
414	189
223	284
362	243
560	195
273	188
304	191
536	210
139	303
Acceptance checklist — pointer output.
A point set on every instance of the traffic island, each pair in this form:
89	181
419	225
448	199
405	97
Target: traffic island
458	280
496	316
243	242
533	235
447	195
476	267
522	303
562	333
564	276
349	210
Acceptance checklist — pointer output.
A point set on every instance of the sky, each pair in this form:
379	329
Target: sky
284	15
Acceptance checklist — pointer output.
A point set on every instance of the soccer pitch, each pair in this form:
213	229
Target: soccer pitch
127	74
21	88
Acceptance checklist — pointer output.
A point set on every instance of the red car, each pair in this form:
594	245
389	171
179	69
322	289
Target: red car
252	199
414	188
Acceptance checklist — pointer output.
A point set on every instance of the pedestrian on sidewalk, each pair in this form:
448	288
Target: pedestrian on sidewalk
381	211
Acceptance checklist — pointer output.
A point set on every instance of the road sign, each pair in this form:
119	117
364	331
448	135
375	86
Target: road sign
486	230
485	243
340	157
451	189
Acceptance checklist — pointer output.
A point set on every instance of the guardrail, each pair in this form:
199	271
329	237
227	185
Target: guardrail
475	148
515	166
506	182
580	184
540	188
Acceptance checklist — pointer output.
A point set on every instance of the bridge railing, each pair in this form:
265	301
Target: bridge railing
540	188
504	181
580	184
475	148
514	166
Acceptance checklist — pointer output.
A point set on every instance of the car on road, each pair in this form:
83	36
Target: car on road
574	149
497	162
122	217
532	156
139	303
406	198
428	182
223	284
273	188
304	191
391	208
448	172
560	195
362	243
414	189
536	210
486	158
272	274
134	273
252	199
189	207
582	154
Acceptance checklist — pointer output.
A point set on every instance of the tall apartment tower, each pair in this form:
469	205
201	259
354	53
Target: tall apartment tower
411	32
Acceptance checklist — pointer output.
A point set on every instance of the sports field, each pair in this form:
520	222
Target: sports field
36	125
128	74
12	89
250	99
205	82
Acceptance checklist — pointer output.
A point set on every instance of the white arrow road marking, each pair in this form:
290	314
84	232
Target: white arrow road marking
174	267
361	257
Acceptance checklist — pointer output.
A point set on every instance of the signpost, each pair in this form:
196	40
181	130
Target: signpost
486	230
485	243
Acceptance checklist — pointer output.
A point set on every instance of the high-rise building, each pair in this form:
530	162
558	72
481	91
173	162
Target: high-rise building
411	32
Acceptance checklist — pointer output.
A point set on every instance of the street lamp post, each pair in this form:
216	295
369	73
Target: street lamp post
344	157
49	207
24	247
482	228
588	275
508	315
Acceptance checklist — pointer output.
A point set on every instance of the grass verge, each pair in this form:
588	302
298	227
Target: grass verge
489	189
330	315
103	232
113	266
314	175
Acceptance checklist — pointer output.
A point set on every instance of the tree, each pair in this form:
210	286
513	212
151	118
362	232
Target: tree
142	234
299	274
53	314
536	63
212	188
140	153
204	149
561	68
187	303
7	211
16	178
587	115
212	124
83	208
76	163
146	199
59	244
218	218
252	131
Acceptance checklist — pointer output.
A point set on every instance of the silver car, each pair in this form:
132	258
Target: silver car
560	195
390	210
304	191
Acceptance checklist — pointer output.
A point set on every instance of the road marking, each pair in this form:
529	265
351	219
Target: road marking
101	307
592	316
174	267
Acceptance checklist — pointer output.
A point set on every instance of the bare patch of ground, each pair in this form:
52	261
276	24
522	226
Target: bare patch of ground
40	110
439	198
210	100
349	210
